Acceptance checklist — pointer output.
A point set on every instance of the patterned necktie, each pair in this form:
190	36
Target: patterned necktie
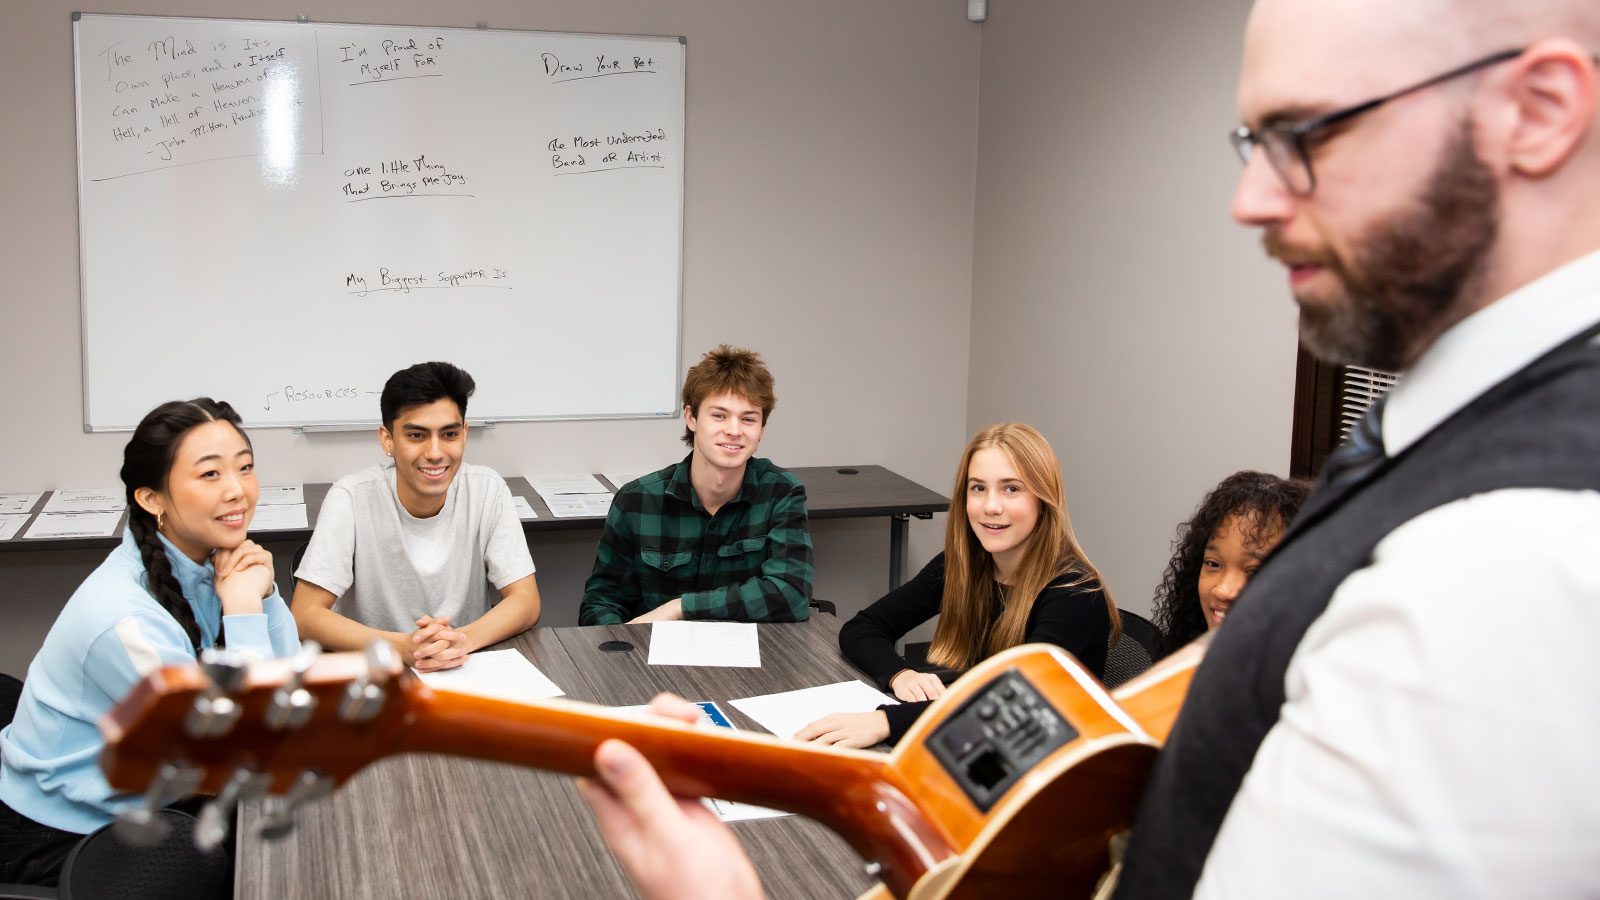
1360	454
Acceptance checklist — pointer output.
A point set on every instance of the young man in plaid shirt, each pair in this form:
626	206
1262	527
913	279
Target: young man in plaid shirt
720	535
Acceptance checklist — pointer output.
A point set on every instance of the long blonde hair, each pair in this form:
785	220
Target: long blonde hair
968	630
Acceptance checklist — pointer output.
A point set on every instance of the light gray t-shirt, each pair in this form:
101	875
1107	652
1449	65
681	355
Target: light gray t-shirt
388	567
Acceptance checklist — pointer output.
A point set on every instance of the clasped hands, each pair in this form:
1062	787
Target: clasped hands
242	578
434	646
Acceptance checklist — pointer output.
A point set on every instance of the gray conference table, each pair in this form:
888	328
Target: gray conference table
426	826
832	492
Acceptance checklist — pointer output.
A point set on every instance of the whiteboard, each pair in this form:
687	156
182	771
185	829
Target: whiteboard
282	214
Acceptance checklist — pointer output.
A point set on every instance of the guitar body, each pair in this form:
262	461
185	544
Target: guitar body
1048	835
1011	786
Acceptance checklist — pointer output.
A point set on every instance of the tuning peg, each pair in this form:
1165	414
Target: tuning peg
292	705
214	712
364	697
225	667
216	817
139	825
308	787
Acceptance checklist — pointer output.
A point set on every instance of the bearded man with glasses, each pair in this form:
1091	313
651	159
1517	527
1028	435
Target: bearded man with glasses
1402	704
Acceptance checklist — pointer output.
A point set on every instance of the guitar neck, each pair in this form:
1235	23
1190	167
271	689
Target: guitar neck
693	761
1154	698
856	794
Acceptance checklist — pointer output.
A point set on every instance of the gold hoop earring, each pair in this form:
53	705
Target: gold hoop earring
161	519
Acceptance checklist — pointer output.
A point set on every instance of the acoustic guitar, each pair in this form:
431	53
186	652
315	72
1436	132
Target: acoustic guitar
1012	785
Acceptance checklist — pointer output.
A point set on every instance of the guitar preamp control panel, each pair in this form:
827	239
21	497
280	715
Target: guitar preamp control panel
996	736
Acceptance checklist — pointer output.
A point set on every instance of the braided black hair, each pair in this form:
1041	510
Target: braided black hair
146	463
1265	504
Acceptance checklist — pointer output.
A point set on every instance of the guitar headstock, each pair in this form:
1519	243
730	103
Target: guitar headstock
295	727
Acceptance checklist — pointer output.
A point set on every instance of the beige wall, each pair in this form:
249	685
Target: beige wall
1114	305
828	218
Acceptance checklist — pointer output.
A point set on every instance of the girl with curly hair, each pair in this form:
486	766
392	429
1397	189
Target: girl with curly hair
1219	548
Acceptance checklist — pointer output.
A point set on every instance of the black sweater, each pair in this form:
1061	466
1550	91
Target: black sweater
1073	618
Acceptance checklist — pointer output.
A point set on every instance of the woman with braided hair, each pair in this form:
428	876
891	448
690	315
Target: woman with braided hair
186	577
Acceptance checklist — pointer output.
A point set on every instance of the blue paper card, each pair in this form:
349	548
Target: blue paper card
714	713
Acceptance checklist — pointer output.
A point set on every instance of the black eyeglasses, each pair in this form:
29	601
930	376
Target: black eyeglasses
1285	142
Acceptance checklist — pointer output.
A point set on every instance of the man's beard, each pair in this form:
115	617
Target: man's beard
1408	271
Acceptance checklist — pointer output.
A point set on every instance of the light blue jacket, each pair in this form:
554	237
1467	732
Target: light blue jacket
112	632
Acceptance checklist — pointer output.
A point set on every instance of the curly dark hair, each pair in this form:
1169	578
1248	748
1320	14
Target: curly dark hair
1266	504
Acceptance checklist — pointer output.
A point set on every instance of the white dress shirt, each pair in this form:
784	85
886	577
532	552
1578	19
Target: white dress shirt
1440	735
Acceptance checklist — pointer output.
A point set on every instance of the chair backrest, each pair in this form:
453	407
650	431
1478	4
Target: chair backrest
105	867
1137	649
10	695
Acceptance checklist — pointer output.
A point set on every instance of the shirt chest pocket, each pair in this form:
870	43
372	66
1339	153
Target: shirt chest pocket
736	549
667	563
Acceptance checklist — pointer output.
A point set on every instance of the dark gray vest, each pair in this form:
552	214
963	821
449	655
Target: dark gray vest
1538	428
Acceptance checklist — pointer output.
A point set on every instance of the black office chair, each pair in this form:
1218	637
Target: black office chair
10	694
294	566
825	606
917	658
105	867
1135	651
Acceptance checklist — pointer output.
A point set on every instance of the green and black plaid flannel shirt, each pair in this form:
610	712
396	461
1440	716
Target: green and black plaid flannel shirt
751	562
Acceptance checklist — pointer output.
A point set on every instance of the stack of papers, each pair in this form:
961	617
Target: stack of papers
705	644
17	503
14	510
279	517
280	508
499	674
573	496
10	523
104	500
92	513
579	506
786	713
555	485
525	510
619	479
282	494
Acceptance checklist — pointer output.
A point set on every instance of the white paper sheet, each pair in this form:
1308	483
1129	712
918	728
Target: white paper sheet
618	479
501	674
786	713
705	644
729	811
578	506
79	524
278	495
279	517
17	503
525	509
9	523
100	500
555	485
726	810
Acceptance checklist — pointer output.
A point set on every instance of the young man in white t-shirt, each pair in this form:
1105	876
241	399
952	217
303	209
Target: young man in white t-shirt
426	552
